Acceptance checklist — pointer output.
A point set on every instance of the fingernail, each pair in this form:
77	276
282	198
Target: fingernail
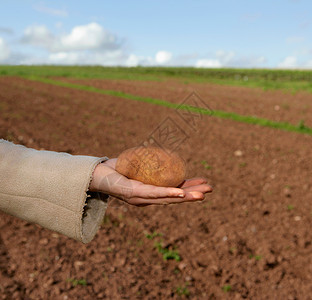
181	195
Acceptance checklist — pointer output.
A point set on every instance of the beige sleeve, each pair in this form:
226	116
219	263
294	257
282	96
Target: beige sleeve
50	189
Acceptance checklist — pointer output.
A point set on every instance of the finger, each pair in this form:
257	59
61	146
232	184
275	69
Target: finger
193	181
151	192
189	197
203	188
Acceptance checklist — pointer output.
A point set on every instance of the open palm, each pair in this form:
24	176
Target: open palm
107	180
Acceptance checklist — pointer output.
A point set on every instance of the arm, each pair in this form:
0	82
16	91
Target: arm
50	189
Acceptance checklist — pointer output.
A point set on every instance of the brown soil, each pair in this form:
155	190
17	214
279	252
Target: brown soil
274	105
252	235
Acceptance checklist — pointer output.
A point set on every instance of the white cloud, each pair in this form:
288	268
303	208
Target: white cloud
208	63
116	57
65	58
85	44
50	11
90	36
4	50
85	37
223	58
38	36
133	60
163	57
92	44
289	62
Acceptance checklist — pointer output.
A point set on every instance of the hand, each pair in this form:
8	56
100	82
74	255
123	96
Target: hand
107	180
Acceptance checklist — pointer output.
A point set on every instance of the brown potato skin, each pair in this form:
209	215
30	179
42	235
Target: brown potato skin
152	165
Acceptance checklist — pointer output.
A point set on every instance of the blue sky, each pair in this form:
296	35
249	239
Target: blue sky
224	33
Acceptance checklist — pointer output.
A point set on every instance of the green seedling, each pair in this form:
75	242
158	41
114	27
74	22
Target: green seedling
167	253
151	236
232	250
76	282
256	257
301	125
290	207
226	288
182	291
205	164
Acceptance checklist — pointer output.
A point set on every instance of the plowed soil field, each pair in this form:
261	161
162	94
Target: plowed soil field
249	239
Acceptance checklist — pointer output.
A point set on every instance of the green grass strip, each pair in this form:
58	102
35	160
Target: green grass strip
267	79
105	92
300	128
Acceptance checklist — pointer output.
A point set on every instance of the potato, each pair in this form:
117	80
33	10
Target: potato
152	165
